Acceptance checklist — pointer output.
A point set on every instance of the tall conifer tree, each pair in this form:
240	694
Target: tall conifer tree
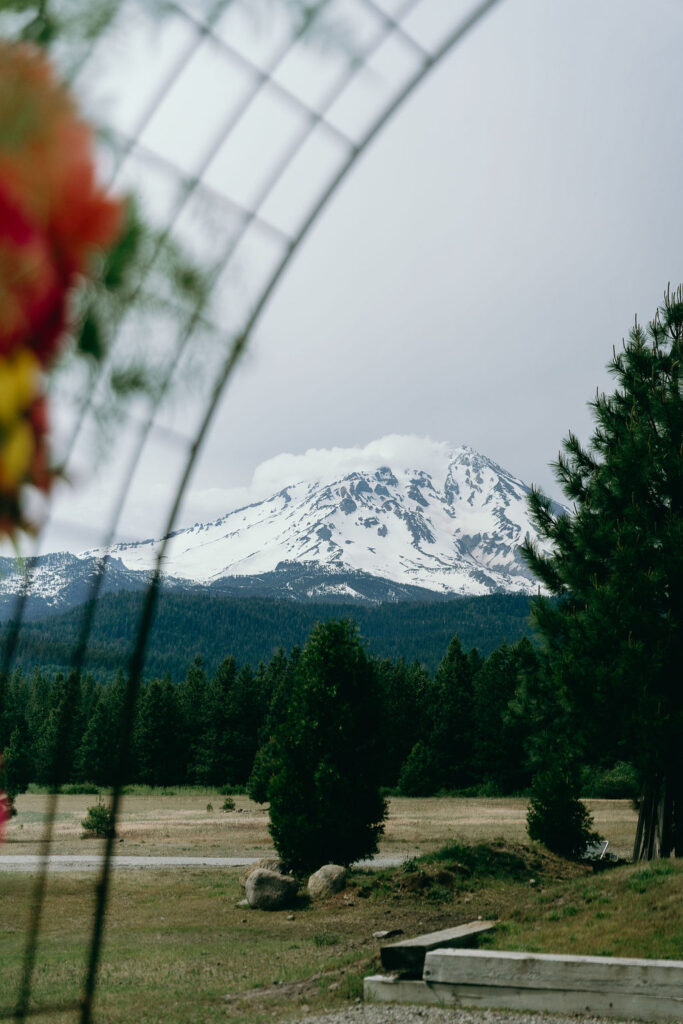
325	803
613	641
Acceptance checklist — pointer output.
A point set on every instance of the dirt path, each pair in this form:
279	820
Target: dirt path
28	862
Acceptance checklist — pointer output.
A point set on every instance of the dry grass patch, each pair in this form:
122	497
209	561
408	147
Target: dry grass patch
161	824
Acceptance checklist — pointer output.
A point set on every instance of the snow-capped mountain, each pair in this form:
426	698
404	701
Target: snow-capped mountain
428	518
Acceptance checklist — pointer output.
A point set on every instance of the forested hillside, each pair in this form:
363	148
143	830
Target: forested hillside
252	629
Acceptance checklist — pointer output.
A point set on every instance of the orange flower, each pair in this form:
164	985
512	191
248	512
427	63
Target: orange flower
53	215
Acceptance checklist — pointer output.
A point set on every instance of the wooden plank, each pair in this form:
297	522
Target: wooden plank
652	1007
408	955
553	971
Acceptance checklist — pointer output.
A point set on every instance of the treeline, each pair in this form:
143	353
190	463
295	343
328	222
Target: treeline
464	727
253	629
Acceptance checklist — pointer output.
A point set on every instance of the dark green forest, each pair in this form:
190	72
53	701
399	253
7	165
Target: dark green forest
462	728
253	629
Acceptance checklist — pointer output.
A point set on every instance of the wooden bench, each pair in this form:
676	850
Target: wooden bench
408	956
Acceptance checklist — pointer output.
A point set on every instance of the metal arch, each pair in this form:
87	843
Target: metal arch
238	348
240	342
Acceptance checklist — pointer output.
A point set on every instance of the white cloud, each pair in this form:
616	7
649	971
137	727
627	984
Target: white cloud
395	450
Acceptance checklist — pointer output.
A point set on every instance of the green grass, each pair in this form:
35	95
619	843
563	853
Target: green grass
180	950
632	911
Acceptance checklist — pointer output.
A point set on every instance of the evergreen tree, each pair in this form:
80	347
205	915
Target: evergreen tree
246	710
403	691
214	756
614	640
159	744
442	759
499	755
17	764
59	732
265	763
325	803
191	704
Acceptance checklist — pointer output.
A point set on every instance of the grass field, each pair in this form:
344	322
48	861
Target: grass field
190	822
180	950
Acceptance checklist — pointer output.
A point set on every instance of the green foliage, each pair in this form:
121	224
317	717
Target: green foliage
263	770
325	803
420	773
556	818
78	788
17	764
159	750
250	628
444	760
618	782
99	821
403	693
614	643
228	804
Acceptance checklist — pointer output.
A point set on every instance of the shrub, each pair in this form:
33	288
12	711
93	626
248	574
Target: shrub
78	788
617	783
99	821
325	802
228	804
556	818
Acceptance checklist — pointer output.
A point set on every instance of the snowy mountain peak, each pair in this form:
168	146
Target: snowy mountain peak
408	510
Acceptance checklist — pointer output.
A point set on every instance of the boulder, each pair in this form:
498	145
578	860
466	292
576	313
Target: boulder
269	890
327	880
270	863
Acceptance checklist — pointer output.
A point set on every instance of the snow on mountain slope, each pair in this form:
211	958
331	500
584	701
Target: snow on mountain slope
428	515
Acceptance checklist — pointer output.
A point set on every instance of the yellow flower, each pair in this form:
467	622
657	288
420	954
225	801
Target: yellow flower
16	455
19	385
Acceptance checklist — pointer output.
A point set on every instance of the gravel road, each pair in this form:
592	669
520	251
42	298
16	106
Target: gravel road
384	1013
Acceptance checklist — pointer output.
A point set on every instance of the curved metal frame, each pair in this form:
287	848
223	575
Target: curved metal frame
239	344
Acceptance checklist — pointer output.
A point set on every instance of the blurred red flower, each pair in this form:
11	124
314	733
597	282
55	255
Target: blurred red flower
53	218
53	215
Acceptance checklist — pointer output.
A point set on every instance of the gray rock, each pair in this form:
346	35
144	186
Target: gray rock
270	863
329	879
269	890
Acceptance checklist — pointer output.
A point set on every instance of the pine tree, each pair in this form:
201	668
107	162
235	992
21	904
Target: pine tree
325	803
451	706
614	640
499	755
159	745
214	754
403	690
59	733
191	702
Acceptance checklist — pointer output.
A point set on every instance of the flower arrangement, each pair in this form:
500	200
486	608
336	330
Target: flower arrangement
54	218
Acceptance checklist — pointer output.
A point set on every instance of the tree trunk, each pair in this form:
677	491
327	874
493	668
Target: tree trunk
659	821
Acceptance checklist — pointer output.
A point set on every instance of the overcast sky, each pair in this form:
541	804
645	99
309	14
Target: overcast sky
470	276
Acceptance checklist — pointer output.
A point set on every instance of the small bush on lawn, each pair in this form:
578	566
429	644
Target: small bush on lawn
228	804
98	822
556	818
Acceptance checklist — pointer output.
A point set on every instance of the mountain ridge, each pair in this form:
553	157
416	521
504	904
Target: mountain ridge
412	520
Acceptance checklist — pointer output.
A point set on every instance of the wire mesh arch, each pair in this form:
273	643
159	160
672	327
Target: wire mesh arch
188	193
